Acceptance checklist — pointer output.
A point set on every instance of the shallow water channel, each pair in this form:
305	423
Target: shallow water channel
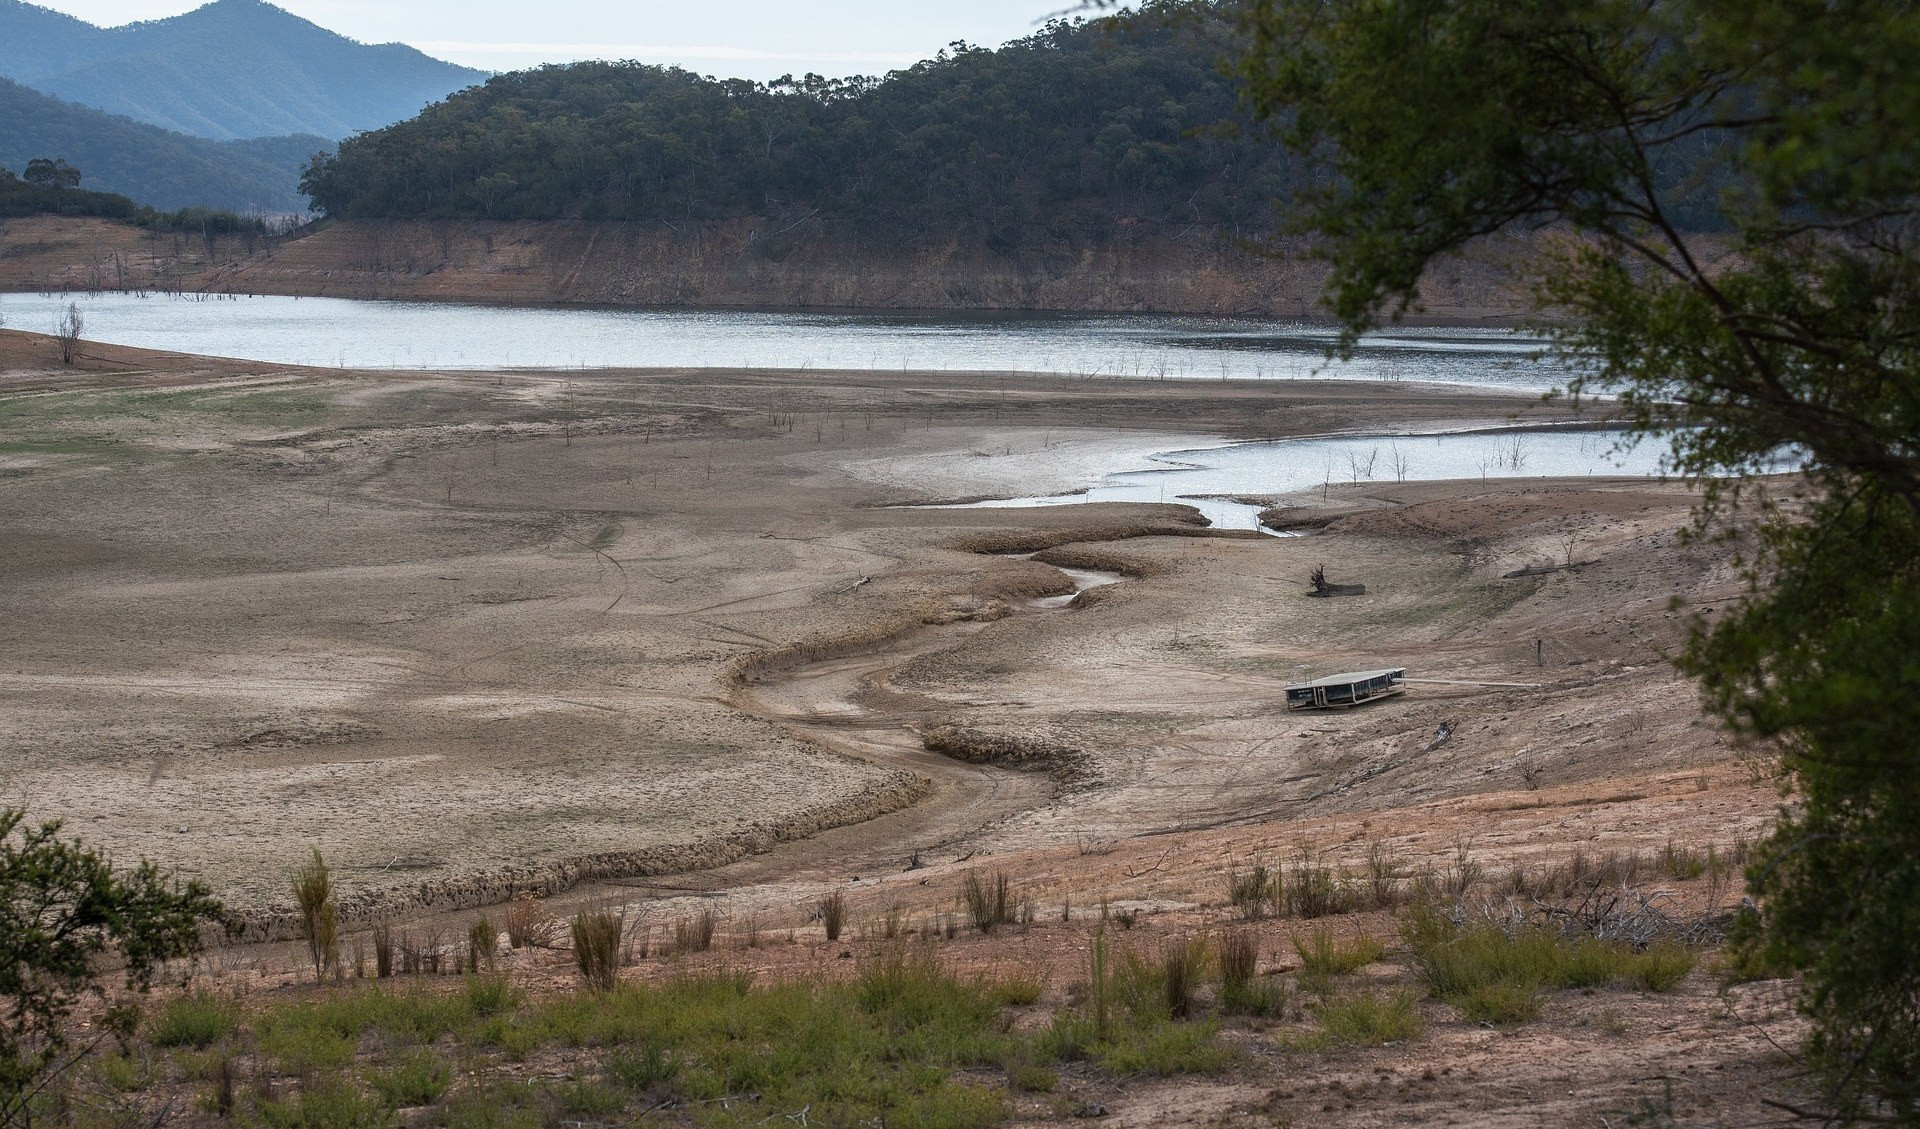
1224	483
1083	579
344	333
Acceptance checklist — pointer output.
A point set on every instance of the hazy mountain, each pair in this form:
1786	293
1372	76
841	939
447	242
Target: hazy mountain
152	165
232	69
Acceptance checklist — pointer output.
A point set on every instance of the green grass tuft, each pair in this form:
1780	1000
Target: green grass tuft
198	1020
1369	1019
1321	954
1495	974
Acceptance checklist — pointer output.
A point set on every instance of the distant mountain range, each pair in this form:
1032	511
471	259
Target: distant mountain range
154	166
231	70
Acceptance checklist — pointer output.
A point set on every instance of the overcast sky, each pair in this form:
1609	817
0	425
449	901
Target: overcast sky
740	38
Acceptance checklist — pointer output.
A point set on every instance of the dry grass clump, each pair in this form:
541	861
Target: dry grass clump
1183	963
529	925
319	918
833	914
483	940
1237	963
989	901
596	947
1309	887
694	934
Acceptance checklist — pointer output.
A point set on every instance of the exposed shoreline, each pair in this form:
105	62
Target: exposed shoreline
714	266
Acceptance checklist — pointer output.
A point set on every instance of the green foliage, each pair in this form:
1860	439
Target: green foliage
418	1078
319	918
199	1019
1322	954
491	995
596	947
333	1104
64	909
891	1046
1081	124
1495	974
643	1069
1737	184
1163	1049
1368	1019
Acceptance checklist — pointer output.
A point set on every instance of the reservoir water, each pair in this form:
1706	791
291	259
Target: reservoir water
336	332
1219	481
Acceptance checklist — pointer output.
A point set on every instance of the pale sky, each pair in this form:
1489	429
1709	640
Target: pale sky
758	39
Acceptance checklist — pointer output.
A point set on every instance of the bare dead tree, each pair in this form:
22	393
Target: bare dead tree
68	330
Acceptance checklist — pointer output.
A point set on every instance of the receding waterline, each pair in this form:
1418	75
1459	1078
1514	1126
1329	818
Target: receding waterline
348	333
1229	484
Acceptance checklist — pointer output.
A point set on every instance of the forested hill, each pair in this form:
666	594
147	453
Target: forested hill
1084	125
152	165
232	69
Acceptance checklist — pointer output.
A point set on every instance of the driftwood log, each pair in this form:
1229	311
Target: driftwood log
1318	579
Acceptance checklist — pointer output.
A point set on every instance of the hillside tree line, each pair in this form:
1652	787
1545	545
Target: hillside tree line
1083	124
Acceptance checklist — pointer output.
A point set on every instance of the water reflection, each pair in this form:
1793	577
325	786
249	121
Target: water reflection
413	335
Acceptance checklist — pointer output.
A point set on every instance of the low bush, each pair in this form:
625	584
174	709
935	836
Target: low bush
596	947
1368	1019
415	1079
1494	972
1321	954
833	914
989	901
333	1104
199	1020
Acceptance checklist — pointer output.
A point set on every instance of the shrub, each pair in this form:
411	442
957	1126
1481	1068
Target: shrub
198	1020
1495	974
1163	1049
989	902
529	925
1182	963
491	995
1239	959
1368	1019
416	1079
1500	1002
1661	967
596	947
383	950
319	919
833	914
694	934
482	942
1313	889
1255	891
1324	956
643	1069
1383	875
328	1105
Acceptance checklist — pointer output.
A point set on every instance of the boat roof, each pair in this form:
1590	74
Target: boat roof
1348	679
